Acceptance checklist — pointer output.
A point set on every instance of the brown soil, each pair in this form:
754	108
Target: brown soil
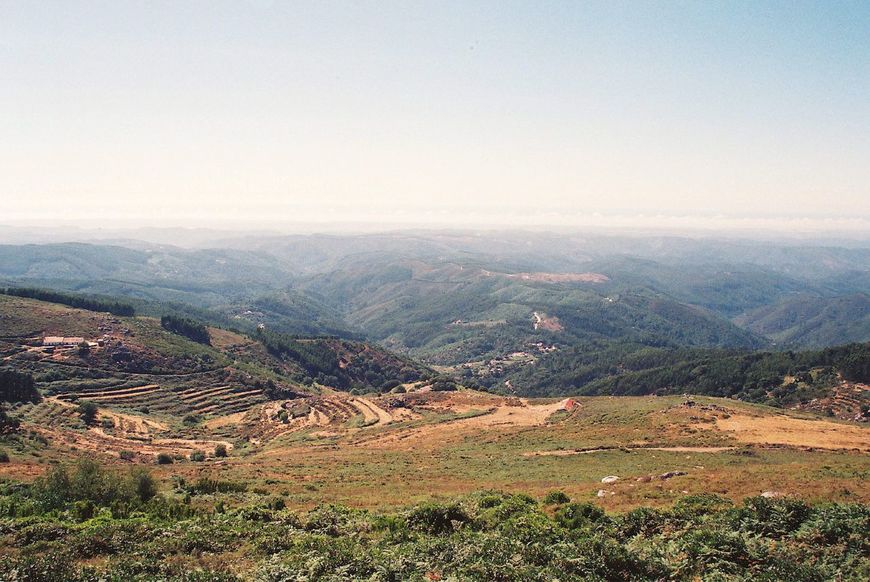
518	414
566	453
228	420
546	322
786	430
371	411
119	393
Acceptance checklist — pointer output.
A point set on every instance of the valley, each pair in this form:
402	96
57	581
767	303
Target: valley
379	401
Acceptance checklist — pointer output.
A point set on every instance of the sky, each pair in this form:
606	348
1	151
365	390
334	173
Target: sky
210	112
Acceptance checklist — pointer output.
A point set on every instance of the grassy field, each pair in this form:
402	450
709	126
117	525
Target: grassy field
482	443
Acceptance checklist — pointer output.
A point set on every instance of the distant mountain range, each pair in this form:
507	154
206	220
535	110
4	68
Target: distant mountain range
493	301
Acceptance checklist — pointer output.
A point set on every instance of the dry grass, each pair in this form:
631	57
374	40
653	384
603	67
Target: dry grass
424	445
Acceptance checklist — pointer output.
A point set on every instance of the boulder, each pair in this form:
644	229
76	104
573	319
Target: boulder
610	479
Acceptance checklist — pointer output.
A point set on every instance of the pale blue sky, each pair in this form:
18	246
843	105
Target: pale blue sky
221	110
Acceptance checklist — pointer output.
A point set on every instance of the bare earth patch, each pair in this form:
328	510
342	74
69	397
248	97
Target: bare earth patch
566	453
786	430
561	277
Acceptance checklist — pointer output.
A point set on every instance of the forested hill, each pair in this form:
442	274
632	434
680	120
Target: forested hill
777	378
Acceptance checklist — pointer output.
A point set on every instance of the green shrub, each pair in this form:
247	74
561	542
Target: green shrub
88	412
87	480
126	455
8	424
443	385
773	517
837	524
164	459
37	568
84	510
579	515
220	450
435	518
556	498
641	521
486	536
4	456
197	456
143	484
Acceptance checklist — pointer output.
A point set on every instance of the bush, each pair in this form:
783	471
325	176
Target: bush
8	423
126	455
88	481
88	412
84	510
556	498
443	385
220	450
164	459
772	517
197	456
579	515
142	484
434	518
4	456
641	521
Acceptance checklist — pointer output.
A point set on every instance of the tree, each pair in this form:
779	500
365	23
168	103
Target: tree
78	301
192	330
88	412
17	386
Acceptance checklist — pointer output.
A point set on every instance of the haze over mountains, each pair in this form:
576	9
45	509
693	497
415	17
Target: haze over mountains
485	303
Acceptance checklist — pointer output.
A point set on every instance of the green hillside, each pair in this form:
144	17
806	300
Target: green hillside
135	363
811	320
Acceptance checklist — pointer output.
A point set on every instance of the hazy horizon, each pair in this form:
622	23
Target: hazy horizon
697	116
801	232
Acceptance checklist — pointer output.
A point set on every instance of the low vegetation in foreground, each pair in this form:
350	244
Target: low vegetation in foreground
86	522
